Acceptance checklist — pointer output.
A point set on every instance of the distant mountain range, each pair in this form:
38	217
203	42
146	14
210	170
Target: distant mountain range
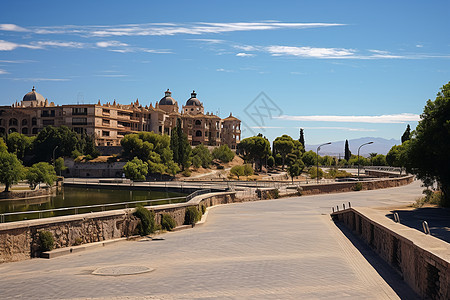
380	146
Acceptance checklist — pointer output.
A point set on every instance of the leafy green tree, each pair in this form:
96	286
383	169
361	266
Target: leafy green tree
283	145
309	158
202	156
270	161
180	147
397	156
19	144
61	139
407	134
59	165
255	149
429	148
347	153
11	169
223	153
3	147
295	169
237	171
362	161
302	139
87	144
135	169
41	172
379	160
248	170
313	173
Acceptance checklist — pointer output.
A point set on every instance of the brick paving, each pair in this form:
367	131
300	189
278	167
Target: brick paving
276	249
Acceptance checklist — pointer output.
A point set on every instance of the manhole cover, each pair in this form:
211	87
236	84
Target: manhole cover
121	270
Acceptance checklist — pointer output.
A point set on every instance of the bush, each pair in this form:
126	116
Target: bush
223	153
147	223
431	197
186	173
220	167
313	173
358	186
167	222
46	240
192	215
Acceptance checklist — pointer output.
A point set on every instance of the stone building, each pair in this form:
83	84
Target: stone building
110	122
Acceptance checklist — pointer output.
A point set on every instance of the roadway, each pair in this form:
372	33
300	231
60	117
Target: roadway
275	249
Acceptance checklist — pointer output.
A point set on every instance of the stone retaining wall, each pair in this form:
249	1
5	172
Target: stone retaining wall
340	187
422	260
20	241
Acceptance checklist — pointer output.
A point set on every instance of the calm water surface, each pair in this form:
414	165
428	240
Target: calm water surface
71	197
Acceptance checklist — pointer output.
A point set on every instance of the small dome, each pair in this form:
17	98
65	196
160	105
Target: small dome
193	101
33	96
167	100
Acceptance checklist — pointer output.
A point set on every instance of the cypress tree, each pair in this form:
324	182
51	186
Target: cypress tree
407	134
347	153
302	139
180	147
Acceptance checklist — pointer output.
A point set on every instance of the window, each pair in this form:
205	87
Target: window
198	133
79	111
34	130
79	121
11	130
105	133
48	122
24	122
106	111
105	122
33	122
198	122
13	122
25	130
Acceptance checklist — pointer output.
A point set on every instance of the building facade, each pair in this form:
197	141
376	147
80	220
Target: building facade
110	122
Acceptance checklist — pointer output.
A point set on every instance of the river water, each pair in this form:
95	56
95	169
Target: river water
72	197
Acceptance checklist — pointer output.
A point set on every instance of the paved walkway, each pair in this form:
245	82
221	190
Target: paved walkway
275	249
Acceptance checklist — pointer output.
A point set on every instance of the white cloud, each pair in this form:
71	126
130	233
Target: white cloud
3	72
36	79
382	119
419	46
242	54
43	44
106	44
8	46
309	52
12	27
317	128
210	41
223	70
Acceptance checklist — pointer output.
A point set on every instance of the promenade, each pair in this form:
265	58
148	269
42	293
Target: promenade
275	249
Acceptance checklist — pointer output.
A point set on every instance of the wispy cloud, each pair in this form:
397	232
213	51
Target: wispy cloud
309	51
242	54
381	119
12	27
105	44
9	46
3	72
317	128
111	75
36	79
223	70
164	29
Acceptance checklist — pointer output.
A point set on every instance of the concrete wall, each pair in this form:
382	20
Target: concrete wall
339	187
422	260
19	240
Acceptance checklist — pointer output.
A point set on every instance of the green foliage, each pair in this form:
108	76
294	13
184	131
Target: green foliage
255	149
309	158
186	173
289	149
59	165
270	161
203	209
431	197
201	156
347	153
180	147
397	156
75	154
223	153
248	170
11	169
50	137
336	173
302	139
147	220
3	147
19	144
327	161
407	134
379	160
40	172
237	171
296	169
358	187
313	173
135	169
46	240
362	161
167	222
192	215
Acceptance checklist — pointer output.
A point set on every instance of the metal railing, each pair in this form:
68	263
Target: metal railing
99	207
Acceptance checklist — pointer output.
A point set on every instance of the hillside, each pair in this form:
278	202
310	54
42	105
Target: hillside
380	146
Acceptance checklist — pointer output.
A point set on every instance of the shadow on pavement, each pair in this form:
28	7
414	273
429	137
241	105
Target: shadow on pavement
438	220
392	277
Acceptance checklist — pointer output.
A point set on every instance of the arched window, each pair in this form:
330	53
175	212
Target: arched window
198	133
198	122
12	122
34	122
34	130
2	131
12	129
25	130
24	122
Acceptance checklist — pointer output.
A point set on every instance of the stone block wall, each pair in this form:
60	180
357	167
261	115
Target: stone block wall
423	261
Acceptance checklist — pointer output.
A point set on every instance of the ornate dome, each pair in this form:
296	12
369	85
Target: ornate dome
33	96
167	100
193	101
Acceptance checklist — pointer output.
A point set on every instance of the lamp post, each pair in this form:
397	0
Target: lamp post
317	153
54	163
358	154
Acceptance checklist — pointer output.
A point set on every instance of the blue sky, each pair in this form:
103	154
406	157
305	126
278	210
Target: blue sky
338	69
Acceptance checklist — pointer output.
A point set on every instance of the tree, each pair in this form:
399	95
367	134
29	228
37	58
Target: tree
379	160
19	144
407	134
302	139
40	172
248	170
285	145
223	153
11	169
397	156
3	147
51	137
59	165
295	169
237	171
309	158
429	148
270	161
135	169
347	153
255	149
202	156
180	147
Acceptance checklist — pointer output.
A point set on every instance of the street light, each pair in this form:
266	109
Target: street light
358	154
317	152
54	164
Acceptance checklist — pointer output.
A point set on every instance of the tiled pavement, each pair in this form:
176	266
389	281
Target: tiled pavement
277	249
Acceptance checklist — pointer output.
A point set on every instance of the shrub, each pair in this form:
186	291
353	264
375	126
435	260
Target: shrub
223	153
192	215
431	197
46	240
147	223
313	173
220	167
358	186
167	222
186	173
